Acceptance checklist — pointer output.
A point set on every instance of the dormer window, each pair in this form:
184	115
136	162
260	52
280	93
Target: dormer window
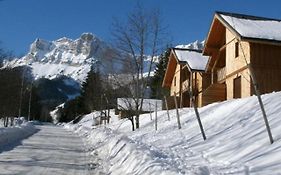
236	49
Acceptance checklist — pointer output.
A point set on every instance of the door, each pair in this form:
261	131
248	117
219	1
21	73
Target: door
237	87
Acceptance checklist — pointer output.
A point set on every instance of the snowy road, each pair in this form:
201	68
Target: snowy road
52	150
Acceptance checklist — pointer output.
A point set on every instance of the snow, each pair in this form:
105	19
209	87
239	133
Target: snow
194	59
52	71
196	45
237	141
63	57
52	150
19	131
262	29
130	103
90	120
56	113
72	58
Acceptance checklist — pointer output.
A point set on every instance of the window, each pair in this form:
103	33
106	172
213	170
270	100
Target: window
237	87
236	49
175	81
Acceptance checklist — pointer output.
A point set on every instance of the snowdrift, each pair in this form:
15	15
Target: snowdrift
16	133
237	141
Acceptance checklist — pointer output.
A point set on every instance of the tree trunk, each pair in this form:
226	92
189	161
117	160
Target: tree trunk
12	121
6	123
137	121
132	121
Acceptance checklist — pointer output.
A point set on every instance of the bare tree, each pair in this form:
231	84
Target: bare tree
140	36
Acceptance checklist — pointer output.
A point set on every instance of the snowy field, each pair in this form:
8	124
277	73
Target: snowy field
237	141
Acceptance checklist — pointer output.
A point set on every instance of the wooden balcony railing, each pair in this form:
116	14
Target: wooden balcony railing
185	85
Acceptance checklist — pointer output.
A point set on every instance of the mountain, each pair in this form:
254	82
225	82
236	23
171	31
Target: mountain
58	68
66	57
195	45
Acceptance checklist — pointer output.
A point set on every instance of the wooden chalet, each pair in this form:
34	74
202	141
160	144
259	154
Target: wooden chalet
236	41
186	70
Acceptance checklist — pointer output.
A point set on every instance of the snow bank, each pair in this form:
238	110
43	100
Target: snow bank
237	141
118	154
10	135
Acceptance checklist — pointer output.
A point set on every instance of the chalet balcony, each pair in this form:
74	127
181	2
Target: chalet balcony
221	74
185	85
214	93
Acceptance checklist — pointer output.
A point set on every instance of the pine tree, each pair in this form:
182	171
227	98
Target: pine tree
92	91
156	82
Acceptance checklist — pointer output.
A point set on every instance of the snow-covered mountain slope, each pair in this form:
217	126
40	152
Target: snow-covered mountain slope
72	58
237	140
196	45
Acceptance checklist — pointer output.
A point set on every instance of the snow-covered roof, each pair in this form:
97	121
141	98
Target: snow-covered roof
194	58
130	104
253	27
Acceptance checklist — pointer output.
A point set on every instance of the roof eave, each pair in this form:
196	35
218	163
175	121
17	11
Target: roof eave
227	25
261	41
197	70
207	39
185	62
165	84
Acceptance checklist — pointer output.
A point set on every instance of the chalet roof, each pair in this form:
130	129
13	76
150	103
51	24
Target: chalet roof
130	104
252	27
243	27
193	58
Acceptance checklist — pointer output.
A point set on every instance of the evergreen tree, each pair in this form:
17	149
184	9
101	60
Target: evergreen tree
89	100
92	91
156	82
71	110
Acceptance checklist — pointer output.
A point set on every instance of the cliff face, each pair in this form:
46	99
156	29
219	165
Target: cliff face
73	52
65	57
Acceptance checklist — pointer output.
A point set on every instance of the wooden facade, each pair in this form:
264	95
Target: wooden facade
230	56
179	78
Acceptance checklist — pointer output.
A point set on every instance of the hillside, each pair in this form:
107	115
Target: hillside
237	141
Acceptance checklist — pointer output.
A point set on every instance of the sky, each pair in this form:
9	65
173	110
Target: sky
22	21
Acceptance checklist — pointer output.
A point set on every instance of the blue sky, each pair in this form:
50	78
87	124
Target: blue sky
22	21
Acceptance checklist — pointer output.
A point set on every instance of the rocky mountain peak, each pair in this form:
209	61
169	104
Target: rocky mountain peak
65	50
63	57
87	36
195	45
